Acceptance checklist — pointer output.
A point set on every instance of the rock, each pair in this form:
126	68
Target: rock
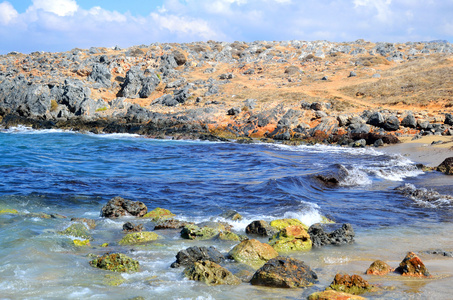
324	78
378	143
120	207
116	262
376	119
81	243
282	272
171	224
440	252
409	121
229	236
376	75
159	214
380	268
179	57
137	84
354	284
190	255
226	76
253	253
280	224
101	74
333	295
210	273
292	70
234	111
130	227
446	166
338	236
194	232
261	228
412	266
391	124
421	195
352	74
250	103
182	95
291	238
448	119
359	143
138	238
90	223
231	215
77	230
6	211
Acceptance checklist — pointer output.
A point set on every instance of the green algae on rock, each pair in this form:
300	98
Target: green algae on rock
210	273
138	238
229	236
283	223
81	243
252	253
77	230
353	284
8	211
291	238
159	214
193	232
115	262
333	295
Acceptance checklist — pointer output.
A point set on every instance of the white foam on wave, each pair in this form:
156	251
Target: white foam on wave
355	176
424	197
319	148
21	129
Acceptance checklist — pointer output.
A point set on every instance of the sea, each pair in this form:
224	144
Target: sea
71	174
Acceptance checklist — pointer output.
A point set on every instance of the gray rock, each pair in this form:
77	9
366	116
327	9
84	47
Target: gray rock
359	143
137	84
352	74
409	121
179	57
250	103
376	75
261	228
209	70
138	114
101	74
376	119
234	111
448	119
190	255
392	123
331	234
378	143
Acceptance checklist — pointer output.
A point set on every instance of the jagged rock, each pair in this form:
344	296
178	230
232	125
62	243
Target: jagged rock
409	121
231	215
159	214
131	227
190	255
423	195
171	224
379	267
291	238
333	295
261	228
234	111
210	273
446	166
412	266
116	262
138	238
354	284
253	253
137	84
101	74
137	114
119	207
282	272
391	124
322	234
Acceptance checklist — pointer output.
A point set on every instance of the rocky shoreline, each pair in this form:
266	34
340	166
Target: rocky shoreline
204	91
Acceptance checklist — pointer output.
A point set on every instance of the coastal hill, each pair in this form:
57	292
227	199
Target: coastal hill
353	93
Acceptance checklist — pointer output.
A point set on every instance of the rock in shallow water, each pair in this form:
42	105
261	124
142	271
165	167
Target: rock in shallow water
138	238
333	295
446	166
253	253
119	207
354	284
330	234
261	228
379	267
210	273
412	266
190	255
115	262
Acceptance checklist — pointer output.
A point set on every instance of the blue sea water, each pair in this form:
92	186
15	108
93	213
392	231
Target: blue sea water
75	174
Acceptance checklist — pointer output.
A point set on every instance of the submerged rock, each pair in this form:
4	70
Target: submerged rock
261	228
412	266
210	273
138	238
379	267
334	295
171	224
115	262
291	238
159	214
322	234
424	196
253	253
90	223
283	272
354	284
446	166
190	255
131	227
119	207
77	230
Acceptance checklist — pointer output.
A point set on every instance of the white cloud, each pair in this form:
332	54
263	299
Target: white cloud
381	6
61	8
7	13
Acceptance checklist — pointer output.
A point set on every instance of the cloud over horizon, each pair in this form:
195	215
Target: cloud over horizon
60	25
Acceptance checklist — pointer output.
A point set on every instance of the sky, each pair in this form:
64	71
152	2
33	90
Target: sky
61	25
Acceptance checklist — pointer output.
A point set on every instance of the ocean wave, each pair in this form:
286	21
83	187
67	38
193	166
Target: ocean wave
21	129
424	197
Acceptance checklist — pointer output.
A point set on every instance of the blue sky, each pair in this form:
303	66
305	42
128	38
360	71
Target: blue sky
60	25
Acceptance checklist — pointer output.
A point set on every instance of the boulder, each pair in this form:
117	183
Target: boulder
131	227
409	121
333	295
179	57
138	238
171	224
81	243
283	272
354	284
194	232
379	267
412	266
190	255
137	84
229	236
77	230
376	119
392	123
159	214
280	224
291	238
448	119
101	74
210	273
446	166
292	70
253	253
120	207
116	262
261	228
330	234
231	215
234	111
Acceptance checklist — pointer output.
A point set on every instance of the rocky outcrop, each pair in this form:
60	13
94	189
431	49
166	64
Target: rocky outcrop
190	255
253	253
283	272
116	262
412	266
120	207
331	234
231	215
379	268
137	84
210	273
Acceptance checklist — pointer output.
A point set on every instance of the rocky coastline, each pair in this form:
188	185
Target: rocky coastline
291	92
